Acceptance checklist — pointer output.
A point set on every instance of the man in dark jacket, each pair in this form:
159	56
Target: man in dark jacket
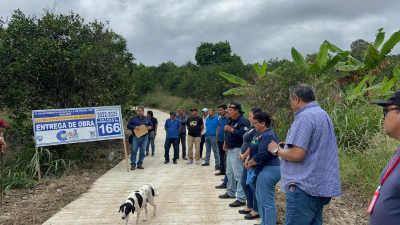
135	123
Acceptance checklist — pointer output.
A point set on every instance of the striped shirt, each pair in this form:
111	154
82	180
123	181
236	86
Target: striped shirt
318	173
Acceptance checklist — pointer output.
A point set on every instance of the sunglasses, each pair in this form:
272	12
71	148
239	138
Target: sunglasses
387	110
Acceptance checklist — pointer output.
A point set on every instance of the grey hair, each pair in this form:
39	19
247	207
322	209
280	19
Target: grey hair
304	91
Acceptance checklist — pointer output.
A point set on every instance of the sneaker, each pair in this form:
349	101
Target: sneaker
197	162
226	196
205	164
190	162
237	203
221	186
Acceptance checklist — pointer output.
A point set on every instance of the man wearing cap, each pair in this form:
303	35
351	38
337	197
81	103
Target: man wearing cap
309	161
195	127
387	206
3	144
235	128
203	132
211	138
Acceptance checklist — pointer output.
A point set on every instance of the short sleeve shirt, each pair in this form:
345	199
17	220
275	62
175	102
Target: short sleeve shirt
194	126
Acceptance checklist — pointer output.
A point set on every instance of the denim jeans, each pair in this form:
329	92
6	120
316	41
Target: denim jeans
249	192
182	140
167	146
150	142
222	158
302	208
211	143
234	170
265	193
136	144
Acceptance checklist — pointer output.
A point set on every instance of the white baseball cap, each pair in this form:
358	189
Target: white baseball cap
205	110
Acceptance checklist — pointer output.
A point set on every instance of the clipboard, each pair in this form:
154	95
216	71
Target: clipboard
142	131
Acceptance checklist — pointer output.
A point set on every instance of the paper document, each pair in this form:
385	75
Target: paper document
142	131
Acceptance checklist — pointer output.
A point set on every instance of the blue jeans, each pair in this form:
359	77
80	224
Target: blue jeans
249	192
167	146
234	170
225	180
265	193
211	143
302	208
136	144
153	147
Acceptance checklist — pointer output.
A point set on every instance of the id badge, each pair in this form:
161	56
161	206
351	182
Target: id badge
373	201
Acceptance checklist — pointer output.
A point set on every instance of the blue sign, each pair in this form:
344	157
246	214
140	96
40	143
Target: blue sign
66	126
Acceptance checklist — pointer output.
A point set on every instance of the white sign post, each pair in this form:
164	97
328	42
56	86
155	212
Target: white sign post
74	125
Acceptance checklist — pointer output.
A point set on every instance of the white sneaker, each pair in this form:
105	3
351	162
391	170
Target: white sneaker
197	162
190	162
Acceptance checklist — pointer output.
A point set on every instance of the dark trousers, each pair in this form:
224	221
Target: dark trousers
167	146
182	138
222	158
202	141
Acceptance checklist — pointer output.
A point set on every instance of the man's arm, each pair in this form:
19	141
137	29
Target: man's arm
295	154
2	142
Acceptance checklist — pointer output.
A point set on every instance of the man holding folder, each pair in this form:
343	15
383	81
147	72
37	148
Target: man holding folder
140	138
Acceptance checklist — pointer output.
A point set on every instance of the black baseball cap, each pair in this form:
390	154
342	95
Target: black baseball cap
194	109
235	105
392	100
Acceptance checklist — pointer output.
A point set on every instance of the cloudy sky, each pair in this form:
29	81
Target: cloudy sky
170	30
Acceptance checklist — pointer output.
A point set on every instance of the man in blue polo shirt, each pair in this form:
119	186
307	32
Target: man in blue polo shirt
233	142
135	123
211	138
172	126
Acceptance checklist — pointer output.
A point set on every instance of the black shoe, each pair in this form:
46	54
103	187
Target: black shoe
152	154
242	211
217	167
147	153
205	164
184	158
237	203
219	174
166	162
175	162
221	186
251	217
226	196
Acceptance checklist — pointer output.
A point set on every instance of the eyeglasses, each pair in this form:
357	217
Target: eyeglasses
387	110
256	123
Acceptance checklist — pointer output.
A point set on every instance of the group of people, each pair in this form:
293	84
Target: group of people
252	160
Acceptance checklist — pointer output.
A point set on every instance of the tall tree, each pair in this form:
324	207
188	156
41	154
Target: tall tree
358	49
208	54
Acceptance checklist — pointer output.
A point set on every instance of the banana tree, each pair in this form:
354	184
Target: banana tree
246	87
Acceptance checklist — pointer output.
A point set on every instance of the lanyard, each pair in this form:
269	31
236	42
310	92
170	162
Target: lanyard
389	170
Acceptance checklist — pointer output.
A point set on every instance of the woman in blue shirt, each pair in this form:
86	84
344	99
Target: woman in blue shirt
251	207
266	167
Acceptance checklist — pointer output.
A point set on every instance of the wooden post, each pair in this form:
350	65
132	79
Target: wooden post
38	165
126	156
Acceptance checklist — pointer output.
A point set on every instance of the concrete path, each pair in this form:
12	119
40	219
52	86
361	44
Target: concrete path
186	193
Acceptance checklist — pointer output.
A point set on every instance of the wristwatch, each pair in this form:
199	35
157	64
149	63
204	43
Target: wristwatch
276	151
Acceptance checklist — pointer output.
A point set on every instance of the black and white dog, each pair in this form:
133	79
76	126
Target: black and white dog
137	201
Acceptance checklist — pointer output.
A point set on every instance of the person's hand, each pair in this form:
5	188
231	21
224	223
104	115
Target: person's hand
246	164
149	128
272	146
155	133
137	128
228	128
282	143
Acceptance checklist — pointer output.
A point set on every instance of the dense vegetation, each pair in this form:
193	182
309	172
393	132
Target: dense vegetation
59	61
